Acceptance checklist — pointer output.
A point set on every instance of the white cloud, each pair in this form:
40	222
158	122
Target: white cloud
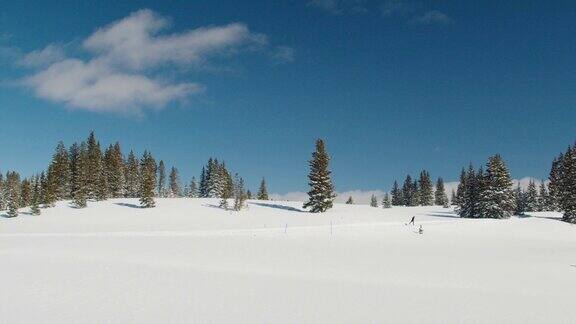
394	7
96	87
129	60
46	56
283	54
135	42
432	17
338	7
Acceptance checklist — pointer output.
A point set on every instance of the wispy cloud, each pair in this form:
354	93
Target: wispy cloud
396	7
283	54
339	7
432	17
131	61
46	56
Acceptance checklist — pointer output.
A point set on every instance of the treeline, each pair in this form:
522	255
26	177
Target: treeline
85	172
419	192
562	186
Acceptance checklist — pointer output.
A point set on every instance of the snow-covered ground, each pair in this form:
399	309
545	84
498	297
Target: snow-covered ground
188	261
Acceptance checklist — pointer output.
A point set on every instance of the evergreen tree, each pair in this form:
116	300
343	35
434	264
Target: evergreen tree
193	189
350	201
203	188
469	203
262	191
321	194
35	203
132	176
426	193
408	192
248	194
239	193
386	201
60	173
543	198
440	197
520	201
461	189
554	187
25	193
114	170
373	201
497	197
80	173
13	193
161	179
453	199
148	180
2	193
566	186
531	197
50	187
397	198
175	190
94	182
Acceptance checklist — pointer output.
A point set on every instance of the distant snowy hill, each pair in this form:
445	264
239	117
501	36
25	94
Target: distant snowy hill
188	261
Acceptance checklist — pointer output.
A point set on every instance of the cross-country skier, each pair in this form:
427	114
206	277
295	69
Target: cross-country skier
420	230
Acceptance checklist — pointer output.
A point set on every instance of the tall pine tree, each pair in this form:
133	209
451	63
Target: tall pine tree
321	194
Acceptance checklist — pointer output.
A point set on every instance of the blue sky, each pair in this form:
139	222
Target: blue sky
393	86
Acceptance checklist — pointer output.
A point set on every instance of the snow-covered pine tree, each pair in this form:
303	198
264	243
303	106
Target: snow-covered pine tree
50	187
193	188
132	176
2	193
350	201
468	203
35	201
114	170
262	191
321	194
408	191
567	185
13	196
373	201
554	186
148	180
95	169
249	194
386	201
79	154
225	194
25	193
203	187
397	198
461	189
520	201
60	166
453	199
213	179
426	192
161	179
415	201
440	197
497	197
239	193
175	190
543	197
226	181
531	197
